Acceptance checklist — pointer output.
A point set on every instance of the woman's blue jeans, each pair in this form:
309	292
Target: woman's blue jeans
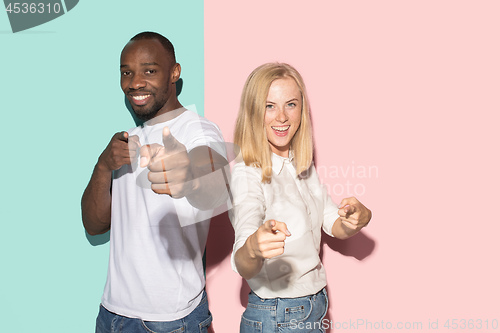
292	315
197	321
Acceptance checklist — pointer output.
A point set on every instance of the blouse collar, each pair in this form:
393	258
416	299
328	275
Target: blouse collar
279	161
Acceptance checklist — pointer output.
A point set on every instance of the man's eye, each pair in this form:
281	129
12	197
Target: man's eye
150	71
126	73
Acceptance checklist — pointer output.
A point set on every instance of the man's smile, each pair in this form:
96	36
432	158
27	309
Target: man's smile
140	99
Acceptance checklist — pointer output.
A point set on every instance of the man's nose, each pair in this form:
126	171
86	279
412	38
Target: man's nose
137	82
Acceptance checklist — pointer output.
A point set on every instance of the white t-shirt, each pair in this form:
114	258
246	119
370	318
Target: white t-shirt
157	243
299	201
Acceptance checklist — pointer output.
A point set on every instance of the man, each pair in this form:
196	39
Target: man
152	187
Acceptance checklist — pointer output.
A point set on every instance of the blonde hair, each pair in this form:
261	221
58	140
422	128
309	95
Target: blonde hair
250	134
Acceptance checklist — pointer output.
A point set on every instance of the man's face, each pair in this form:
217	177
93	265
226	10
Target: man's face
148	75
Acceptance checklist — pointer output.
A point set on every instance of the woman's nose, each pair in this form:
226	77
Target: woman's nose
281	116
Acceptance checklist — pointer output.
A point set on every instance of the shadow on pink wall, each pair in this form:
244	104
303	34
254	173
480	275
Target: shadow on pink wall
219	245
359	247
220	240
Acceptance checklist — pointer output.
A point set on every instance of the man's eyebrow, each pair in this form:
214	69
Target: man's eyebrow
142	64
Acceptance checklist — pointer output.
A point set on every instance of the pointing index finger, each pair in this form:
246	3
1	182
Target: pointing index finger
281	226
147	152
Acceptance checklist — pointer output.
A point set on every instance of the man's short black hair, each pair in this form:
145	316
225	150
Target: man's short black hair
162	39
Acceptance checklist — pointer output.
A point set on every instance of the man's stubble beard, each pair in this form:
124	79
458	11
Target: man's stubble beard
148	115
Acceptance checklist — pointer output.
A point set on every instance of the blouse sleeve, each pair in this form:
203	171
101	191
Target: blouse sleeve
248	204
330	209
330	213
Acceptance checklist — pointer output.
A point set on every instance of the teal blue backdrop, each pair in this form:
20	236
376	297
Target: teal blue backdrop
61	103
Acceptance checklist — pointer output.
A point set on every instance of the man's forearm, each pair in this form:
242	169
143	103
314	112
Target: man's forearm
209	188
96	202
209	191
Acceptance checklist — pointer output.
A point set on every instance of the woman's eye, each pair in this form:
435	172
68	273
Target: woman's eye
269	106
291	105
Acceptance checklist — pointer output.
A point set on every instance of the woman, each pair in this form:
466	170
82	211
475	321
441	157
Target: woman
280	206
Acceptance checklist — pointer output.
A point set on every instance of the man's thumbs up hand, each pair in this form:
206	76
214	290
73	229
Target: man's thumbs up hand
169	166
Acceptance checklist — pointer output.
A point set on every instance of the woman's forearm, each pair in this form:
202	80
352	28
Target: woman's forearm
247	262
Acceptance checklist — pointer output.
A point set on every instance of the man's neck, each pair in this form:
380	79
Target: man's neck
171	112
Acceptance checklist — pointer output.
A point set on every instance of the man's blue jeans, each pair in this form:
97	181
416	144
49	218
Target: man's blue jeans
197	321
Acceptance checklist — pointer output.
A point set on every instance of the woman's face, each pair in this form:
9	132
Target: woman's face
283	113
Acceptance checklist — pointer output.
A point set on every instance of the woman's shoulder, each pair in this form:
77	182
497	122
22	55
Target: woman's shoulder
241	168
246	174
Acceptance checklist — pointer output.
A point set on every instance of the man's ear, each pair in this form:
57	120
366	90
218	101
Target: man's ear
176	72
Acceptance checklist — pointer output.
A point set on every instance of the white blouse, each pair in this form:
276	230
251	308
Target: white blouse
299	201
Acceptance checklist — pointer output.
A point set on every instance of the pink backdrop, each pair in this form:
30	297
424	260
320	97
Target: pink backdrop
405	106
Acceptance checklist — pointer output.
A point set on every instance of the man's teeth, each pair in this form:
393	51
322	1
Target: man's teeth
281	129
140	98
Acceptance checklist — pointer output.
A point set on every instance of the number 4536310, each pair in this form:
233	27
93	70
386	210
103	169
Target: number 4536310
471	324
32	8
